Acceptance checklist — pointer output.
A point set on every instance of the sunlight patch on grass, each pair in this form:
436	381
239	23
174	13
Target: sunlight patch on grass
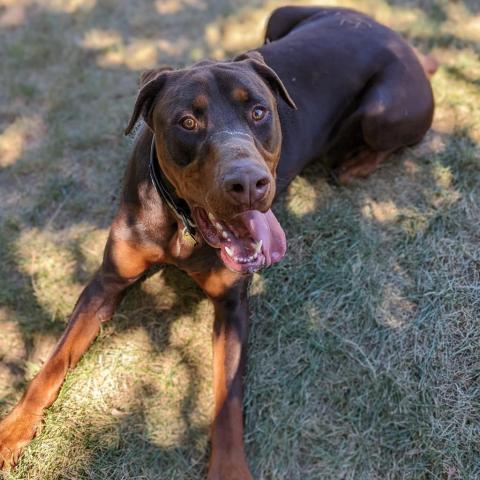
22	134
461	22
98	39
302	197
70	6
170	7
396	310
380	211
51	266
401	17
443	177
238	32
41	349
137	54
90	248
258	285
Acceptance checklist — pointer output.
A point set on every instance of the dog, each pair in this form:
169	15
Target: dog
220	140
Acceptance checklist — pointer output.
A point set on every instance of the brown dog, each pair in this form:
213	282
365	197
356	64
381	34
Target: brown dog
221	138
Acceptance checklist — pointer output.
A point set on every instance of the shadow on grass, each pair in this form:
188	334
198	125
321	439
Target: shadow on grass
372	305
134	456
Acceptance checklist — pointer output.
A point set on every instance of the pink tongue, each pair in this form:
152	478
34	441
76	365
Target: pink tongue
265	227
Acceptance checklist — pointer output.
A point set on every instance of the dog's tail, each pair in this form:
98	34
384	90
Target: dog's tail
428	61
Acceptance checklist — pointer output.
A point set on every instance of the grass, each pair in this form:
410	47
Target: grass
364	345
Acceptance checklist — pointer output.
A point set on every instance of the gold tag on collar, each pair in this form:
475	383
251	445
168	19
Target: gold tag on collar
188	238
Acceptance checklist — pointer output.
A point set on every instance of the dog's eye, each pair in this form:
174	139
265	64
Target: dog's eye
258	113
188	123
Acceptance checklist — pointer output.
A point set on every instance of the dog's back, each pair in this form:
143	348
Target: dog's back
329	59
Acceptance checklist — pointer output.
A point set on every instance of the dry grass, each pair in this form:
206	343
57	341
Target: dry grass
364	358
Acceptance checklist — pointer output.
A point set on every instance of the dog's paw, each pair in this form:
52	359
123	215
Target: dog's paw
229	471
16	431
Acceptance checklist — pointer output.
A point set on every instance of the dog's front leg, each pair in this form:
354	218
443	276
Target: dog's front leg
123	264
228	292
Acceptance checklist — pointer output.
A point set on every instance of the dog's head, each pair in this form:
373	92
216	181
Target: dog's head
218	139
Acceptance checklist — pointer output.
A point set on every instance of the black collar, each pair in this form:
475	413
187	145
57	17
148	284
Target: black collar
166	191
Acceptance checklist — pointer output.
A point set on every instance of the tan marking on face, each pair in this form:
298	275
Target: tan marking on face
200	102
239	94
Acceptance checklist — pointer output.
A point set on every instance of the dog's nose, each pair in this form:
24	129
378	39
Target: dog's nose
247	186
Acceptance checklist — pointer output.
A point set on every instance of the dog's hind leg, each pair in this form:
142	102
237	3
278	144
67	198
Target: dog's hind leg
396	111
359	166
123	264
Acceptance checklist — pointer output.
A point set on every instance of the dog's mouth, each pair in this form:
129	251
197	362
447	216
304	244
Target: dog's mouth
248	242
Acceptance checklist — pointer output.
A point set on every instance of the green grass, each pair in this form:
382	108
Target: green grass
363	355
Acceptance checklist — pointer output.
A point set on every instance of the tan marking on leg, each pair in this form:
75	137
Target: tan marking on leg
228	292
360	166
228	455
132	260
216	283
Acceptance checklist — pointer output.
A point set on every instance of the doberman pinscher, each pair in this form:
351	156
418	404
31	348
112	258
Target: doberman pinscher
218	142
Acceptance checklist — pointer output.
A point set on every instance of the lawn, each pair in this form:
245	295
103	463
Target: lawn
364	354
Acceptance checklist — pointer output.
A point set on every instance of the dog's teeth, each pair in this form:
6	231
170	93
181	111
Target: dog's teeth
229	252
258	246
224	234
219	226
211	217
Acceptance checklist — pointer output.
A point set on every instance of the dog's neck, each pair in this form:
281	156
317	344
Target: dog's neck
167	193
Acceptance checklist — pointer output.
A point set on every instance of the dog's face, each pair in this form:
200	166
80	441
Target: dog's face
218	138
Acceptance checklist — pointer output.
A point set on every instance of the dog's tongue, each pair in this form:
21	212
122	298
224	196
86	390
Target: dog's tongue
265	227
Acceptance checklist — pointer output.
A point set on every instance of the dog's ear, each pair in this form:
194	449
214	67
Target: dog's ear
151	83
257	62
